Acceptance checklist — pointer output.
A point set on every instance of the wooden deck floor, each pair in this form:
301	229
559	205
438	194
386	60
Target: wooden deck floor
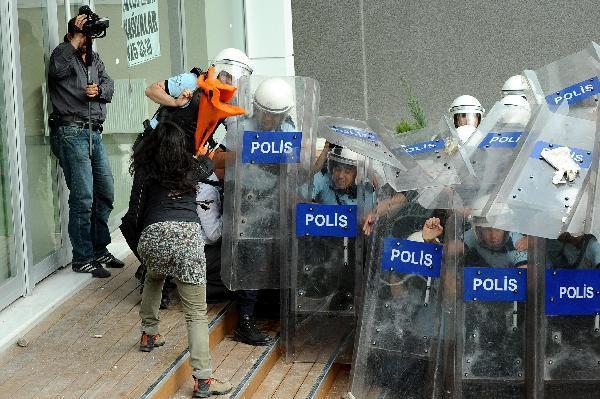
231	361
289	380
88	347
340	387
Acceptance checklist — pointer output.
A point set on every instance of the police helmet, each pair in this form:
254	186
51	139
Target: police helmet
466	110
231	64
274	95
515	85
346	159
518	110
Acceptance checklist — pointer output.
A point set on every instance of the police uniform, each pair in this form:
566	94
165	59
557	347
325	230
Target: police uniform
564	254
489	329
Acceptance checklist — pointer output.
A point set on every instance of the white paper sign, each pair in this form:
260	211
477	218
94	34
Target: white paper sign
140	22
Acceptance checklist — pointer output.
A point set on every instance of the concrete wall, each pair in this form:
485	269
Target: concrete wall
360	49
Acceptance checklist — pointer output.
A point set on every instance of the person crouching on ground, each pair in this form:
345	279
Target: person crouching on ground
171	245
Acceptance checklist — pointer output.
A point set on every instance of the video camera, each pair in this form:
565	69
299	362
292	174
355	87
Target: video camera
95	27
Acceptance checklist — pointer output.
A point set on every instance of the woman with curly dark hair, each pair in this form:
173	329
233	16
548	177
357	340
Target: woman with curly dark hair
163	204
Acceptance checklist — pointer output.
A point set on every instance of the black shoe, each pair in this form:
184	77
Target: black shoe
140	273
109	260
165	301
92	267
342	301
247	333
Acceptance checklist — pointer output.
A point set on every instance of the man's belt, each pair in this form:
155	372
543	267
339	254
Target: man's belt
75	121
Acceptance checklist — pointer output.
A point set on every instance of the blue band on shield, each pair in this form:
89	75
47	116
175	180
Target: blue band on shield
572	292
582	157
575	93
326	220
501	140
425	146
271	147
488	284
412	257
355	132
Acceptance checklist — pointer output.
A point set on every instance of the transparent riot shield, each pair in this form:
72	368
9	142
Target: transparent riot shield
435	149
592	225
398	349
533	198
263	145
568	324
483	160
486	335
572	80
394	167
323	255
361	138
440	164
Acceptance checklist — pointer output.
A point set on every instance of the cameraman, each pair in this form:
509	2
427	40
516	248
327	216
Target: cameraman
88	177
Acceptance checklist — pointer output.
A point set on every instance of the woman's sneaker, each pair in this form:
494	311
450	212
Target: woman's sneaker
210	387
92	267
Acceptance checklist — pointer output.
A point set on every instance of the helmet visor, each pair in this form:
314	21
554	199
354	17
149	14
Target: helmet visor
342	171
230	72
268	121
463	119
491	238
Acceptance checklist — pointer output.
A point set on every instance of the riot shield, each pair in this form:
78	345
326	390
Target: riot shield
569	317
533	199
435	155
398	350
573	80
592	225
483	160
363	139
436	151
263	144
323	255
486	335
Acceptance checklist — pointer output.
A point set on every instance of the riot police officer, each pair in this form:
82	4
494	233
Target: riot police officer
515	85
466	110
257	196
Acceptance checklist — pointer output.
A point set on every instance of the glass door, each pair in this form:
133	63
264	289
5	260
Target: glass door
42	184
12	271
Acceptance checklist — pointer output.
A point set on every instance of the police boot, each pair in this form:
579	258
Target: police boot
247	333
165	301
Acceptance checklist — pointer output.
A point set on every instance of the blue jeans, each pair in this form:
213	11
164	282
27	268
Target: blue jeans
91	185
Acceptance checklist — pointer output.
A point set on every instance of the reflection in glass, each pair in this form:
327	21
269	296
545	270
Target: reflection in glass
7	239
129	106
42	179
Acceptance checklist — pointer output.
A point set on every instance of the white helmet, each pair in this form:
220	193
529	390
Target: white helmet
465	132
516	100
515	85
233	62
466	104
468	107
518	112
344	155
274	96
345	158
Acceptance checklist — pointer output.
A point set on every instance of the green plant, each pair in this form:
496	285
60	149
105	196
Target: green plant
414	107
